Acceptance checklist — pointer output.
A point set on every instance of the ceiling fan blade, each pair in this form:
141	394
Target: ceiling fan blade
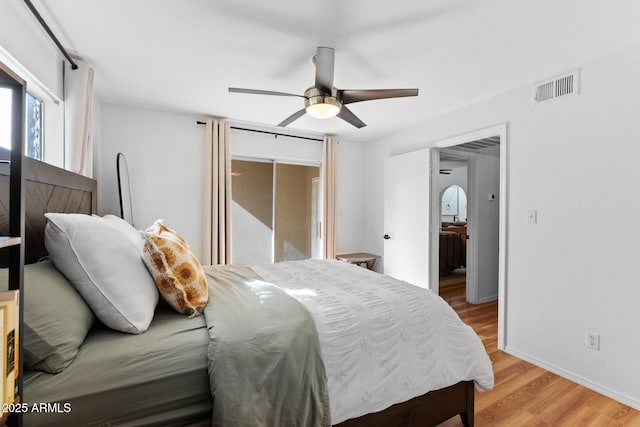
262	92
349	96
348	116
324	60
295	116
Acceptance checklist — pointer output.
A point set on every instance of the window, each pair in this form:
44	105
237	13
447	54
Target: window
34	110
34	142
5	118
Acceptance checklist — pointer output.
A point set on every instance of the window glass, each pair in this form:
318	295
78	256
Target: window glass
34	141
5	118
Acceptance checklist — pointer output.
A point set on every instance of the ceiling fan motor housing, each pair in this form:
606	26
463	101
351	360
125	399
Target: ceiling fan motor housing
319	104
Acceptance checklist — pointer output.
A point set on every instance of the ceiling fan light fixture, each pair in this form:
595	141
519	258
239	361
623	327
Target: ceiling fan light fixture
323	110
321	106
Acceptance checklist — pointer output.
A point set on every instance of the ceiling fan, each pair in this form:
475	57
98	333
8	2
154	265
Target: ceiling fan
446	171
323	100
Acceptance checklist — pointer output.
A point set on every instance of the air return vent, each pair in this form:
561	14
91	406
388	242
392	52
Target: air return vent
566	84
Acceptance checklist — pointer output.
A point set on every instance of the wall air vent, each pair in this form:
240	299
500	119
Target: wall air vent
566	84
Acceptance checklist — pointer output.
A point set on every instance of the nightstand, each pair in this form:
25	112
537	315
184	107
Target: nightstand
362	259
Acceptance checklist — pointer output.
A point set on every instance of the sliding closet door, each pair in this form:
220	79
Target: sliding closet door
294	211
274	211
252	211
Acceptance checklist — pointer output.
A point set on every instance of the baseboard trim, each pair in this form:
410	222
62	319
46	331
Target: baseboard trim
604	390
487	299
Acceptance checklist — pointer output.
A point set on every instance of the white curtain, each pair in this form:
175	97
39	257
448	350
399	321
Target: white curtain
78	105
217	197
329	197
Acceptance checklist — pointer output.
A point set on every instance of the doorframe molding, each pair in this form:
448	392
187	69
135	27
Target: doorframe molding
502	131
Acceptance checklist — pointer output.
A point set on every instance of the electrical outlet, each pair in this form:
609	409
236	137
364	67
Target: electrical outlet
593	341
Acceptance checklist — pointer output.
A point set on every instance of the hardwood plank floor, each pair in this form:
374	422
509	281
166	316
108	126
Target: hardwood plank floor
524	394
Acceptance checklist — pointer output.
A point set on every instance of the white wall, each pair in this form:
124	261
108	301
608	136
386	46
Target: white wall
458	176
28	50
568	158
23	37
351	188
165	151
267	146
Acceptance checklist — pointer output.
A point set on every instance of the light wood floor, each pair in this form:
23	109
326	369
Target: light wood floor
525	395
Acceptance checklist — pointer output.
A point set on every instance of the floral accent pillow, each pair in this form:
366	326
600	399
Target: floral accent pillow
175	270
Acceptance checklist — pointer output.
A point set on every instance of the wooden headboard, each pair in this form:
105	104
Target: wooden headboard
46	189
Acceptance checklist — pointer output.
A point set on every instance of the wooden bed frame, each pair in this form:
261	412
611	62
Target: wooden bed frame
51	189
46	189
429	409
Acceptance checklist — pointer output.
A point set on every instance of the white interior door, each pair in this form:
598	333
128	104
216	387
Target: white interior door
406	217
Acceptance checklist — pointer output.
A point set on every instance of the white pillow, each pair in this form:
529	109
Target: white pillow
126	229
102	258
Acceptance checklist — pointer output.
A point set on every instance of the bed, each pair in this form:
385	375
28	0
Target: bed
162	376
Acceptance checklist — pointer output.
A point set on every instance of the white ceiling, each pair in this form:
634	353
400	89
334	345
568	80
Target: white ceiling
182	55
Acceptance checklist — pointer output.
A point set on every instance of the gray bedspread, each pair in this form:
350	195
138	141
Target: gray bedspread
265	362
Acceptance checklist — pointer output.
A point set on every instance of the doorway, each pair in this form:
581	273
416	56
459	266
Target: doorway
453	226
472	243
484	153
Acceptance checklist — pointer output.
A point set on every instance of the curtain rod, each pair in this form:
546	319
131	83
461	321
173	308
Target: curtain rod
35	12
276	134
